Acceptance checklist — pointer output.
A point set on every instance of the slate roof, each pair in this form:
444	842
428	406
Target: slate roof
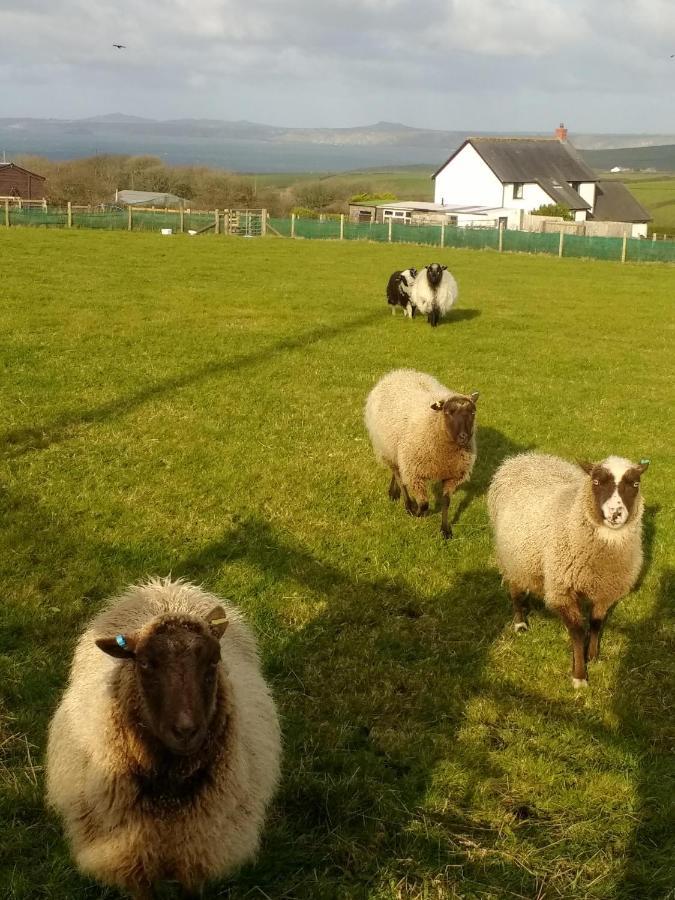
528	159
561	192
615	203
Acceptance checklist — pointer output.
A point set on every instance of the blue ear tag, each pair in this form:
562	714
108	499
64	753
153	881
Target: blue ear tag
121	640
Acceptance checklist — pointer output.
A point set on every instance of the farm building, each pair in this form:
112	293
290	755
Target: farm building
149	198
523	174
420	212
17	182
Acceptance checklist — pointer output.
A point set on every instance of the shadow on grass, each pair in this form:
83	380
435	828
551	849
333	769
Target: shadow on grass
18	441
644	704
373	691
462	315
493	448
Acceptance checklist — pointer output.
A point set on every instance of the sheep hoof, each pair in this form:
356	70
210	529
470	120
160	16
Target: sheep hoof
422	510
580	683
447	533
520	626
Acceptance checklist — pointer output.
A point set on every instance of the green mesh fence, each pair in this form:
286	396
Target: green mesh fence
472	238
37	216
608	248
650	251
592	247
530	242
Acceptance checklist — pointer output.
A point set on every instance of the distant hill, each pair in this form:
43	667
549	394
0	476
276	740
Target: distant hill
660	158
244	146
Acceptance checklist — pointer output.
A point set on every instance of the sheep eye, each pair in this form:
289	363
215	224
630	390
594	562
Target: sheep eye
636	484
595	481
146	665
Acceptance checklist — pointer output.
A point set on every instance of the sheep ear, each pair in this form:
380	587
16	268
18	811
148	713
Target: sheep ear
413	272
474	397
444	268
122	646
642	466
586	466
217	620
438	405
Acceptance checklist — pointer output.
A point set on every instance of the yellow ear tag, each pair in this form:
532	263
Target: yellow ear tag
218	621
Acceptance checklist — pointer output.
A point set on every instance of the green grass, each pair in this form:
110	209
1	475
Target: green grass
194	407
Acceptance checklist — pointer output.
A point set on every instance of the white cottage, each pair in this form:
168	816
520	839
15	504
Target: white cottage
517	175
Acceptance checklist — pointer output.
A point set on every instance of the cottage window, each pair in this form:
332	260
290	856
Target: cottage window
518	190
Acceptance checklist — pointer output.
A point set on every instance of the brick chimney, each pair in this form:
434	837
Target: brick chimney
561	132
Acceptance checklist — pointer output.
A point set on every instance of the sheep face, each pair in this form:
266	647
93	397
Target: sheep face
176	662
615	486
435	274
460	416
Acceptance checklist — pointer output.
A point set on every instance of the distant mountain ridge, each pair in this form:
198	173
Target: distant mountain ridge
255	147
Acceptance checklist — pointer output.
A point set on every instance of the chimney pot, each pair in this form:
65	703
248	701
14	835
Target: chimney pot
561	132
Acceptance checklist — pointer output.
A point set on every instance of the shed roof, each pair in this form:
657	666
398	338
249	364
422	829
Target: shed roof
528	159
4	166
151	198
615	203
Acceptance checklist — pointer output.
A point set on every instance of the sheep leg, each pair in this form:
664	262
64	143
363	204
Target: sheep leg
571	616
446	528
143	892
394	487
521	608
419	491
595	632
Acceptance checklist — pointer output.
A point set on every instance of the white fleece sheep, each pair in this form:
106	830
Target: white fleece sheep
566	532
434	292
130	819
423	432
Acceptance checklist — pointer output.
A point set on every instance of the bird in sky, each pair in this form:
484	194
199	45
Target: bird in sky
120	46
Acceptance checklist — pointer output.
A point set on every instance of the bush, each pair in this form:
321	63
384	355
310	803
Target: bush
554	209
366	197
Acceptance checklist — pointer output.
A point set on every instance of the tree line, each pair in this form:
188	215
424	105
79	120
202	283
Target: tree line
94	180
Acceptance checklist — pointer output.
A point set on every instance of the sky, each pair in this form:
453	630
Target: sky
502	65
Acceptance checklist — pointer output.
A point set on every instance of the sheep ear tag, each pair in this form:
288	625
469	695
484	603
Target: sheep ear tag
122	646
217	620
438	405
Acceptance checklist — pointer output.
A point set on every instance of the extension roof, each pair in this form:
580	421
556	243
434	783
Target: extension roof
615	203
528	159
561	192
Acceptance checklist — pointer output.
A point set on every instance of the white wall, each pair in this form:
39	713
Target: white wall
639	229
467	181
587	192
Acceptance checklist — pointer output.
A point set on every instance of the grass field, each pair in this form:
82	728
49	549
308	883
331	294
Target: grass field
194	407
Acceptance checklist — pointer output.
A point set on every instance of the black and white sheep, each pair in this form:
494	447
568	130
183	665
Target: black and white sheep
434	292
399	287
164	752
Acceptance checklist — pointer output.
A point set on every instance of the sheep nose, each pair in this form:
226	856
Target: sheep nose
184	729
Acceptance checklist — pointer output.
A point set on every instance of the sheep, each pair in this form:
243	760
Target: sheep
422	431
398	291
163	753
434	292
568	533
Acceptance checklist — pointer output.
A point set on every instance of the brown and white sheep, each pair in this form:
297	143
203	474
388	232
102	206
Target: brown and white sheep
568	533
163	754
423	432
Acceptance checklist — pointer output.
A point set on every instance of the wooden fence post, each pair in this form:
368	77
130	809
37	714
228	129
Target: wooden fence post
182	220
70	215
653	236
624	246
342	226
128	218
442	234
7	213
216	222
389	233
561	243
263	223
501	236
292	224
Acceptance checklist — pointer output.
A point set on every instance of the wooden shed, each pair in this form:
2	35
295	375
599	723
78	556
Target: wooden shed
18	182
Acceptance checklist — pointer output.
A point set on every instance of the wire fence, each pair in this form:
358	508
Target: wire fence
252	223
